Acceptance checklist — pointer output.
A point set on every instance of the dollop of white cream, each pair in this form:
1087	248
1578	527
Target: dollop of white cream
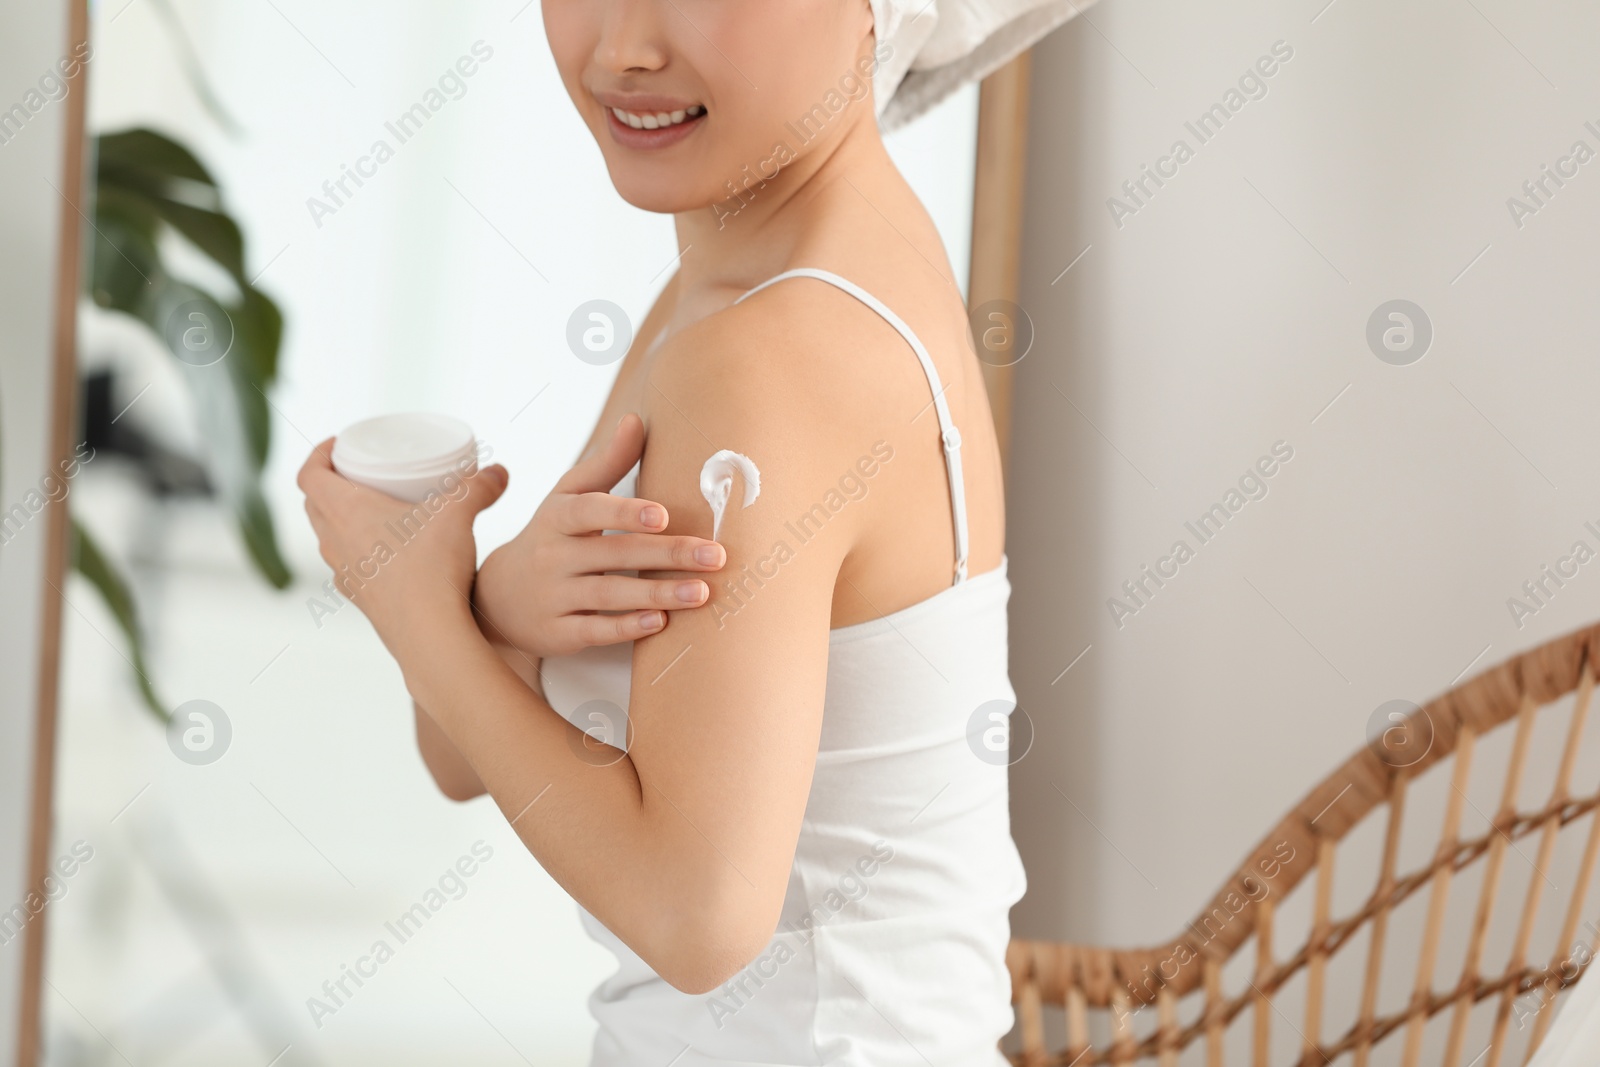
716	484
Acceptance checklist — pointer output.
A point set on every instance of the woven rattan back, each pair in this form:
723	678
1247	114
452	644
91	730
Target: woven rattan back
1078	1006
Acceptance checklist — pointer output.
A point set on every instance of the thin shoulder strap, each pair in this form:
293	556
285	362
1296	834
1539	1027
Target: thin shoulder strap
949	435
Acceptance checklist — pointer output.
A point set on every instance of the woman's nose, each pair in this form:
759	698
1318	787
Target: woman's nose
632	36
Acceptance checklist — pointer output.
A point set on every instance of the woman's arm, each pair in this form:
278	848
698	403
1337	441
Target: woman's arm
552	590
450	770
682	845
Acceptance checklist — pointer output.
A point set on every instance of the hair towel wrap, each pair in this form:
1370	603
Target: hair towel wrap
936	46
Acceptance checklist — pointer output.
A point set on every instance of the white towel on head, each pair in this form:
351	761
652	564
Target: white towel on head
936	46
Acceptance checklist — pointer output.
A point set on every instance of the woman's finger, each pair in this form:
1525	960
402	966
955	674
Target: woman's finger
322	454
589	513
318	464
600	472
587	630
616	592
486	486
641	552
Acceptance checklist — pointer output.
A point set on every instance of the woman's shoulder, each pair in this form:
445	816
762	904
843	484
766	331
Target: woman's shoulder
787	352
782	378
805	347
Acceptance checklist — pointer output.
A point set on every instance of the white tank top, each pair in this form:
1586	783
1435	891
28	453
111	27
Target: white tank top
890	949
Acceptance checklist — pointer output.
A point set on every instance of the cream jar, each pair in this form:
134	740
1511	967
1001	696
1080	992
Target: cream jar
407	455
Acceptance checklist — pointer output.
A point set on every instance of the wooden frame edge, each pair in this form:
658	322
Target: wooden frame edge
62	419
997	202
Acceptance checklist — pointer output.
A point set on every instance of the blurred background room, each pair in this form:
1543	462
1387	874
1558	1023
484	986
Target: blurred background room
1178	330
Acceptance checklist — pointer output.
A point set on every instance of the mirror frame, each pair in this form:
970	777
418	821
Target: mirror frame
997	199
61	405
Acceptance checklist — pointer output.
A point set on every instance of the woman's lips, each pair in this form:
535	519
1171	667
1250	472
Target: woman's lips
661	137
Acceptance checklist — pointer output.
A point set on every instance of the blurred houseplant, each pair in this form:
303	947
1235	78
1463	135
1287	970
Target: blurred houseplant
151	193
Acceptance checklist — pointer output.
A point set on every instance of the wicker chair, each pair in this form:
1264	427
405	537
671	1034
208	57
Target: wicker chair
1095	996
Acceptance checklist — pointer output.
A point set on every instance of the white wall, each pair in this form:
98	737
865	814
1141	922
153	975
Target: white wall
32	38
1228	313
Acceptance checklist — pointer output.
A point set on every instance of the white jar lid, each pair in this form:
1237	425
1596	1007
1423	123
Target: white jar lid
409	444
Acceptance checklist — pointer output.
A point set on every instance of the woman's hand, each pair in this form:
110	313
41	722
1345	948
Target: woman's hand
408	567
544	591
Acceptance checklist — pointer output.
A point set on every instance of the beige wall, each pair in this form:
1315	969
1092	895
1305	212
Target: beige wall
1226	314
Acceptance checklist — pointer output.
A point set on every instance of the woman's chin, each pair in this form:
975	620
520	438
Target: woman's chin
663	196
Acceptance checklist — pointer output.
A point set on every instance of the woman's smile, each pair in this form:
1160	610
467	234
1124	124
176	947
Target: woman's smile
644	122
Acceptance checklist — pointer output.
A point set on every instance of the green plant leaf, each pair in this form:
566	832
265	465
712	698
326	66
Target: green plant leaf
260	319
261	540
212	232
149	183
123	260
143	150
93	564
255	415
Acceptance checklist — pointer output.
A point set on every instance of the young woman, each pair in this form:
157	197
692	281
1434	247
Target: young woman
795	838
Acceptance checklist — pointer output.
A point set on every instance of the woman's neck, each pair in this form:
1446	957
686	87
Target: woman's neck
756	233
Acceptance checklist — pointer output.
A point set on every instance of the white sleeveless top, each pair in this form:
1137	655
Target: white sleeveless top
890	949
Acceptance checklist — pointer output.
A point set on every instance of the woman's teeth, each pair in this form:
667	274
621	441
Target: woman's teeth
657	120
